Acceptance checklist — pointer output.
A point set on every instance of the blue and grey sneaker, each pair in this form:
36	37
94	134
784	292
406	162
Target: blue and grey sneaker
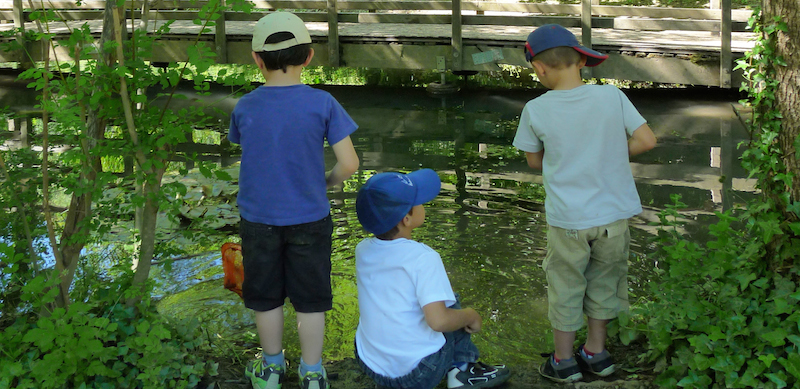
567	370
314	380
600	364
265	377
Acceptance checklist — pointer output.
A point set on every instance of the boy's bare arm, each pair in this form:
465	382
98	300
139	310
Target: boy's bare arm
535	159
346	162
443	319
642	140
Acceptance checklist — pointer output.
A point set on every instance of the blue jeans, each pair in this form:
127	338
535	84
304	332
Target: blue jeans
458	348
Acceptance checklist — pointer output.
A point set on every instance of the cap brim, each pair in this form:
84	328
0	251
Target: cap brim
428	185
593	58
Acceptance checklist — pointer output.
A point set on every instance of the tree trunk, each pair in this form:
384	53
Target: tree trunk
147	231
788	93
80	207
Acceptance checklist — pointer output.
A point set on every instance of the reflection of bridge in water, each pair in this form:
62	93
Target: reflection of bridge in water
468	136
400	128
668	45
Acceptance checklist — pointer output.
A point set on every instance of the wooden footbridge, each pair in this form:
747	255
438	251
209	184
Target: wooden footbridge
665	45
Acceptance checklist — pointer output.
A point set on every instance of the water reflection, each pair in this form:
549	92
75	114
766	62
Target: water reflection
488	222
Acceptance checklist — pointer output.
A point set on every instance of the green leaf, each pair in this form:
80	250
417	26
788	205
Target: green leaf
143	327
745	279
223	175
779	379
767	359
792	365
775	338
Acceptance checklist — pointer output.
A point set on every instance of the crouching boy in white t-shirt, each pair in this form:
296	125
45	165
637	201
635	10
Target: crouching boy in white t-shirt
412	330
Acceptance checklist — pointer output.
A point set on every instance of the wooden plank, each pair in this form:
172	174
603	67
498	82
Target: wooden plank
333	34
395	56
725	57
665	70
19	24
291	4
456	42
664	12
221	39
305	16
18	15
403	18
662	25
586	33
396	5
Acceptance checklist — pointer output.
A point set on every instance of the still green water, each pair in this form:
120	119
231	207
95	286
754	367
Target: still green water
488	222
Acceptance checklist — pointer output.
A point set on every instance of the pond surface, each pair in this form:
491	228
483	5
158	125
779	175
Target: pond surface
488	222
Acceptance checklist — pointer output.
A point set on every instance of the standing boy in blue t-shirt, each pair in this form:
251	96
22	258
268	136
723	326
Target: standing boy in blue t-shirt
581	136
286	226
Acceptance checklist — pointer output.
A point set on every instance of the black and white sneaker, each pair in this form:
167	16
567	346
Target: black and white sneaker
477	375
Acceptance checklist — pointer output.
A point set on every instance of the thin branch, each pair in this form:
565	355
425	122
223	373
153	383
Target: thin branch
48	217
126	100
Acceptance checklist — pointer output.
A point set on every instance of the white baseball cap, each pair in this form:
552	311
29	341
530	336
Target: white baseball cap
279	22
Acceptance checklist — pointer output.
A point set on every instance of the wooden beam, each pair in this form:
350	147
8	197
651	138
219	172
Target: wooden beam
725	56
456	42
333	34
586	32
221	36
19	24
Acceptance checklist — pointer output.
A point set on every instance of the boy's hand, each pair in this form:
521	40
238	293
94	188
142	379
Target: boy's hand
474	321
443	319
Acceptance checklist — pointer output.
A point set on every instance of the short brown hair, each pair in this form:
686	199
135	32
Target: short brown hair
281	59
389	235
559	57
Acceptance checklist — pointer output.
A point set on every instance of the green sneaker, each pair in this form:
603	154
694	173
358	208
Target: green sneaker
265	377
314	380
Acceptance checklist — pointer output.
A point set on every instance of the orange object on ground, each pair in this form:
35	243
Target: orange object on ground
232	267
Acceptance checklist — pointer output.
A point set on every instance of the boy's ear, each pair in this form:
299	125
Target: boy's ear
259	61
310	56
406	220
538	66
582	62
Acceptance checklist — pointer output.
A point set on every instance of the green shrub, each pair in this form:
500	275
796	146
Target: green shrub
719	316
98	343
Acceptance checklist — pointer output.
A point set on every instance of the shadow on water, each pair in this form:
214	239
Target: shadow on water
488	222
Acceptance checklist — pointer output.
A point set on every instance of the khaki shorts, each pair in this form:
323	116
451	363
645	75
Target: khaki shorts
587	273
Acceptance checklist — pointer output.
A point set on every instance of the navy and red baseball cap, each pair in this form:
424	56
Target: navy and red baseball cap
549	36
386	198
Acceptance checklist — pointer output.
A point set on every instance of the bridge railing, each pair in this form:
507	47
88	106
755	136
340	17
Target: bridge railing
586	15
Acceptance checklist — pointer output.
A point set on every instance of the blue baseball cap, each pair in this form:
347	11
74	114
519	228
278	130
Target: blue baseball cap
387	198
554	35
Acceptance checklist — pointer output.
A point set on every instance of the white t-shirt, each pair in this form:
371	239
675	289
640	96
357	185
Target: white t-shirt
396	278
586	170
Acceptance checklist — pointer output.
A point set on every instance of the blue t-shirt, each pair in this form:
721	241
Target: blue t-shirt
282	131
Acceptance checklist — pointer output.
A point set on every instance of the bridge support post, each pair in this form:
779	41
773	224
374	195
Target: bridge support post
19	23
455	40
725	56
220	36
586	32
333	34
